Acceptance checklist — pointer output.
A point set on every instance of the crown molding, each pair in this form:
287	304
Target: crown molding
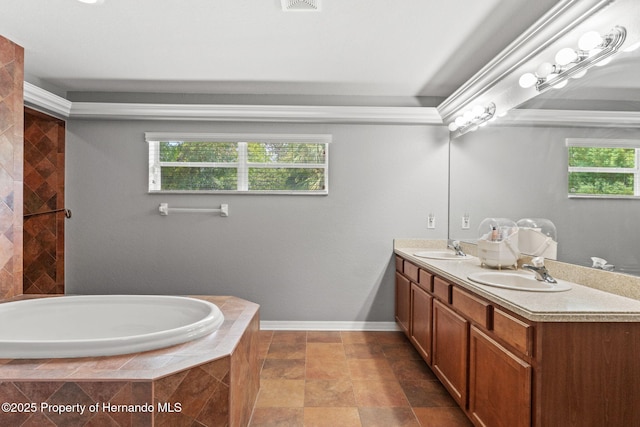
257	113
573	118
552	26
41	99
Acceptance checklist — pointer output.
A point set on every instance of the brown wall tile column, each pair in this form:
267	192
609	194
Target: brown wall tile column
11	164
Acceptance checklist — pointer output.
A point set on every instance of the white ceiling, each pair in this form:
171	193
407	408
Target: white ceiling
350	47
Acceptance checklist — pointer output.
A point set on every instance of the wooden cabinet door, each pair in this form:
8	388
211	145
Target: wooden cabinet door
450	350
421	303
499	384
403	302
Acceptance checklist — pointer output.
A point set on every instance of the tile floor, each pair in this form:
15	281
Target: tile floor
344	379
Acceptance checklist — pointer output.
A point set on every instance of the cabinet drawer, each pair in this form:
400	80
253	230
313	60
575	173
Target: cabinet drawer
425	280
513	331
442	289
399	264
411	271
475	309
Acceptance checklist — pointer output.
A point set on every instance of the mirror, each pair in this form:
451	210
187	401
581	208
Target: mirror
520	170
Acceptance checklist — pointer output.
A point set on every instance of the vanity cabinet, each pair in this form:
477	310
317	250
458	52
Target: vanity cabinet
450	351
507	371
499	384
420	321
450	327
403	302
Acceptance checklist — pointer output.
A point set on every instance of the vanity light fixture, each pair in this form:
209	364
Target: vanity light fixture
91	1
593	49
470	120
300	5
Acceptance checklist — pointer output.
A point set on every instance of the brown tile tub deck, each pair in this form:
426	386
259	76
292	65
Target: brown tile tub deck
212	381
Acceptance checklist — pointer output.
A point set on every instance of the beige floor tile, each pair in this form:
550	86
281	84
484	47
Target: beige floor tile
324	336
379	393
387	417
441	417
364	351
277	417
287	350
328	393
327	369
325	351
280	393
331	417
370	369
289	337
285	369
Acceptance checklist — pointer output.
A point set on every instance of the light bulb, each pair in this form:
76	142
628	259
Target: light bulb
477	110
468	116
580	74
527	80
590	40
460	121
560	85
544	69
453	126
605	61
566	56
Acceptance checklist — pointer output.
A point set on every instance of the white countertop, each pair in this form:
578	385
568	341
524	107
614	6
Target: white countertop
580	304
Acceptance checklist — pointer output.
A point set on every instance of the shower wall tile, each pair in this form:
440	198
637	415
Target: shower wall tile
43	191
11	175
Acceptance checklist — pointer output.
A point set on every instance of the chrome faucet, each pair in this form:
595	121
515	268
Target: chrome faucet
455	245
540	270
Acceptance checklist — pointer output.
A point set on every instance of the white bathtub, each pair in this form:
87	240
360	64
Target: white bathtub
101	325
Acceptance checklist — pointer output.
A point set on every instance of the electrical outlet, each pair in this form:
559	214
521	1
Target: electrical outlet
466	222
431	221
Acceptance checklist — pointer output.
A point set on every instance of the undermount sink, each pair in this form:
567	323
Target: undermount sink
440	255
517	280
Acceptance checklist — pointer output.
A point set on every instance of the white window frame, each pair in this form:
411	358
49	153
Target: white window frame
606	143
243	165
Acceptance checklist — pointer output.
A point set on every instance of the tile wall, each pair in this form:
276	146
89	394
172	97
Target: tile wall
11	174
43	237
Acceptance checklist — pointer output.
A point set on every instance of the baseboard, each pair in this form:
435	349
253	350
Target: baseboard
290	325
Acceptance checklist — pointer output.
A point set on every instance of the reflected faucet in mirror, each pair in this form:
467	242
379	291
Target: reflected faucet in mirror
455	245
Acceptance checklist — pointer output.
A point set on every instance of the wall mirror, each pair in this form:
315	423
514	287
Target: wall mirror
518	167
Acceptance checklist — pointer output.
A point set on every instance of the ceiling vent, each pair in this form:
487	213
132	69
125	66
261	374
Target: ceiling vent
300	5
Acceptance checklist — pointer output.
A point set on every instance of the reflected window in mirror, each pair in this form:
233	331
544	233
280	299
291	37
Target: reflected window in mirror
603	168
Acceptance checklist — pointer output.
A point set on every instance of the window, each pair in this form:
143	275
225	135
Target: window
231	163
604	168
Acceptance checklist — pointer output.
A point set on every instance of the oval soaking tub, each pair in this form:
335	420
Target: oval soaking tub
101	325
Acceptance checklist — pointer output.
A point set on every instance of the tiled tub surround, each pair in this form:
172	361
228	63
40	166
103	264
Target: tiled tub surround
600	296
212	381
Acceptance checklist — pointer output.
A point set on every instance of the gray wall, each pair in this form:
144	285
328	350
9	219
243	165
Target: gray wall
301	257
521	172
